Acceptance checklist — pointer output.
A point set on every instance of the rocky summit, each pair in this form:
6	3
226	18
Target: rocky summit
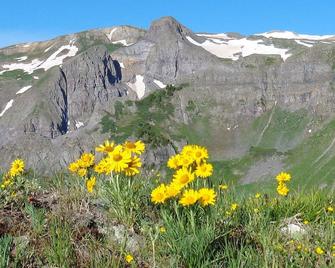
260	103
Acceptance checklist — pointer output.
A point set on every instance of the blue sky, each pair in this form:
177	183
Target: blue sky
31	20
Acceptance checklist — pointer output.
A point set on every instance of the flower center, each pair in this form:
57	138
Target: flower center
198	154
184	178
117	157
131	146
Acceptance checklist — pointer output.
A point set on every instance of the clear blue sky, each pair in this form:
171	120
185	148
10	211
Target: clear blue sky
30	20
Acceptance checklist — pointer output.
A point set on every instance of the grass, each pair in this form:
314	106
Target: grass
16	74
279	129
149	122
65	226
5	243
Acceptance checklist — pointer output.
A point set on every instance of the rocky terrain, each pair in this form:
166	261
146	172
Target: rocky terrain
256	102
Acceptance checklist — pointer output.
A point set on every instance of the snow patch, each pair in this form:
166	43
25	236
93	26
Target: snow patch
79	124
22	58
109	36
51	61
303	43
123	42
36	77
232	49
22	90
328	43
220	35
138	86
159	83
26	67
122	65
49	48
26	45
292	35
8	105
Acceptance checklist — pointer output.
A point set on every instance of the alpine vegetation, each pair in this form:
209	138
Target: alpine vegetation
109	210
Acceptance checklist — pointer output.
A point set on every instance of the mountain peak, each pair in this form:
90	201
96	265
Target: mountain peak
166	26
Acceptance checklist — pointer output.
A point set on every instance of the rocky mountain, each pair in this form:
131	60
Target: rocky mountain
260	103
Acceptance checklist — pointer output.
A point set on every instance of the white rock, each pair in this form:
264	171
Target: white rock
79	124
293	229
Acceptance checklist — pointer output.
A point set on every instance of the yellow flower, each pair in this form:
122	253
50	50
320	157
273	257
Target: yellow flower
306	222
188	152
118	160
174	162
86	160
134	147
17	168
90	183
330	209
183	176
282	189
206	196
283	177
204	170
162	230
133	166
129	258
199	153
257	195
319	251
185	160
106	147
73	167
233	206
189	197
100	167
333	247
334	222
158	195
223	186
173	189
256	210
82	172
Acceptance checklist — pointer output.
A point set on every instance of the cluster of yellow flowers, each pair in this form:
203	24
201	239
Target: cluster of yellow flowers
16	169
189	164
121	158
282	178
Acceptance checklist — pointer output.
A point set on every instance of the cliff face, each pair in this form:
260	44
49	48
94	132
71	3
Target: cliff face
239	92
